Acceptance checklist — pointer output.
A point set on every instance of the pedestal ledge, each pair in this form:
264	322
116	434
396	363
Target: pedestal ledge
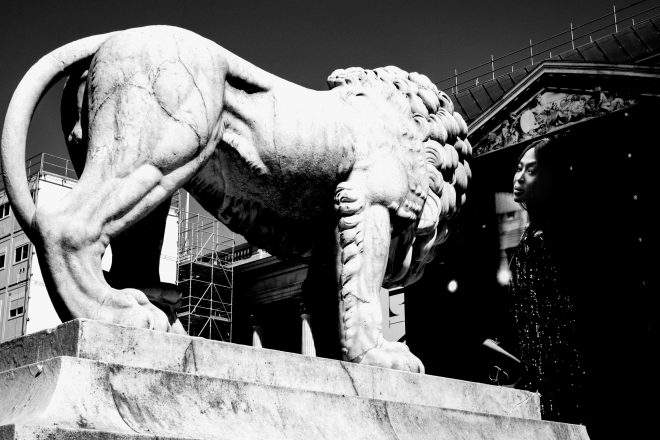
91	380
129	346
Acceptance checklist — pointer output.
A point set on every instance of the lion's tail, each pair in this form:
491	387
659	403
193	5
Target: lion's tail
34	85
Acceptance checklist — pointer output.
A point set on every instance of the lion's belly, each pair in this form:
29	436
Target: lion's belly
284	213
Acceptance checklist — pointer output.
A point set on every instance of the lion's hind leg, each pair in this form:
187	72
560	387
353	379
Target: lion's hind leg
150	130
363	240
73	234
136	256
72	241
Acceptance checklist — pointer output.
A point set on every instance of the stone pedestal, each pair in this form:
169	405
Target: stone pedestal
86	379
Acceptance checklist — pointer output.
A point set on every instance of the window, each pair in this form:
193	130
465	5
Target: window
21	253
16	307
2	260
4	210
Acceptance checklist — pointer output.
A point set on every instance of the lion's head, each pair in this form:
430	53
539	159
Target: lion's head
442	133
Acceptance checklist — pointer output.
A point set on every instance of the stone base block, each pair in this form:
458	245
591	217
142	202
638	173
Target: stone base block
86	379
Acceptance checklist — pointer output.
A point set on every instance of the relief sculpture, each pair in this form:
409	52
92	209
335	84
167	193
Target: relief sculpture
550	111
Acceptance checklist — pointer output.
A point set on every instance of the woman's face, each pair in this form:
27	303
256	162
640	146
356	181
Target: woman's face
523	180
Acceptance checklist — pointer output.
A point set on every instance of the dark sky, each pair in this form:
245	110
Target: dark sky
302	41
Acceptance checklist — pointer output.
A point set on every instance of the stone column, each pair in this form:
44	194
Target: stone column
308	348
256	333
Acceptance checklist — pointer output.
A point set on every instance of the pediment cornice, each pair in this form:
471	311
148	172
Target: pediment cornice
558	94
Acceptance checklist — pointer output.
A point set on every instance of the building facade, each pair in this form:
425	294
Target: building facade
598	103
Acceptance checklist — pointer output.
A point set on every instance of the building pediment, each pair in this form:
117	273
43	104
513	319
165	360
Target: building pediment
558	95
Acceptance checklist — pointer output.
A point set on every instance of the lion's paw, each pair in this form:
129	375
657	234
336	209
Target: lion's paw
132	308
393	355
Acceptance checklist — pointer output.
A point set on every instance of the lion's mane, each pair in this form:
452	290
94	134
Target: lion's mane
442	137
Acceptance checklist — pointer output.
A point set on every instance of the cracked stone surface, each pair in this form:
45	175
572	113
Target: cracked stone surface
109	384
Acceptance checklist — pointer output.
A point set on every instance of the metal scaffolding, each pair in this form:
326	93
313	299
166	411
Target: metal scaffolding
206	276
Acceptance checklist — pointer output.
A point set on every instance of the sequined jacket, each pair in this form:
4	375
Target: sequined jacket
544	316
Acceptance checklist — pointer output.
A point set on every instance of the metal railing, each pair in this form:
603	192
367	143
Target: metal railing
575	36
49	163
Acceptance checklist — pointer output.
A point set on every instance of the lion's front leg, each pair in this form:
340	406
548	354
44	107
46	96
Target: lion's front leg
363	240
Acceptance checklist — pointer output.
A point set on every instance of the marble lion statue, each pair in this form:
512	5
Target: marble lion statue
378	163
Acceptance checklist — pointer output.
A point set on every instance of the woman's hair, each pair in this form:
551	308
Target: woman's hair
551	178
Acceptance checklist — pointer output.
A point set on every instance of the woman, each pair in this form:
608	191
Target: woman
542	305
